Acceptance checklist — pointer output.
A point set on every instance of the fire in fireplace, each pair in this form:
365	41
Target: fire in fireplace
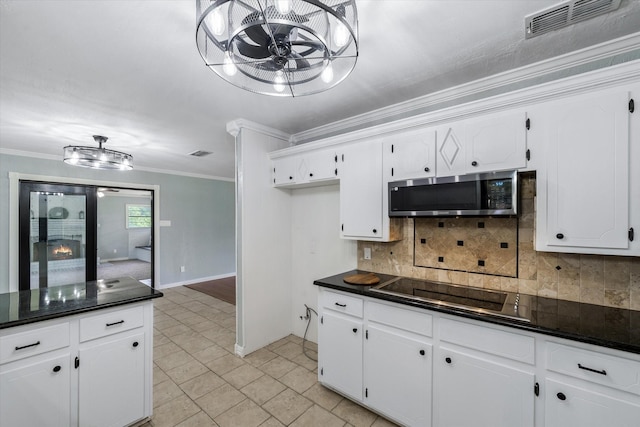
57	249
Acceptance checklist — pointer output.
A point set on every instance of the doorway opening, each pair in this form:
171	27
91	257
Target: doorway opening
78	233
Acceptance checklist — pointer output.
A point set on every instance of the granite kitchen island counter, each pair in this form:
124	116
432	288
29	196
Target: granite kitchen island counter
35	305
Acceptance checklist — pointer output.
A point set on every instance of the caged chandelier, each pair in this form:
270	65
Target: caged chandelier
279	47
97	157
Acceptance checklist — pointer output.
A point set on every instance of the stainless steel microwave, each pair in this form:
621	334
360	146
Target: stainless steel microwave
485	194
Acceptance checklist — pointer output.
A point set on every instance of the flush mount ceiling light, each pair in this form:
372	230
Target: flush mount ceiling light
279	47
97	157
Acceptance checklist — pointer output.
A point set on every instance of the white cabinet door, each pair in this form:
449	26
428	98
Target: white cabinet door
397	375
36	394
567	405
111	383
340	353
285	171
474	391
361	191
451	153
585	190
321	165
492	142
410	155
496	142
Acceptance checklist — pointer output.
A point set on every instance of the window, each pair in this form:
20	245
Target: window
138	216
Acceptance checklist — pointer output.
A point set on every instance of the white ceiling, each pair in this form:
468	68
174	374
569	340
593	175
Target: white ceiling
130	70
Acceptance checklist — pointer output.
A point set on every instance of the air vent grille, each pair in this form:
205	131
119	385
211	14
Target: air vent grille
200	153
565	14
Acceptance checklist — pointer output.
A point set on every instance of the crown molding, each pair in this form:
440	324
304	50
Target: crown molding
540	69
628	72
235	126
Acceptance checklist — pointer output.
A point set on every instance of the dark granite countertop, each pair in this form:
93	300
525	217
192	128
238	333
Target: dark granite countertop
610	327
35	305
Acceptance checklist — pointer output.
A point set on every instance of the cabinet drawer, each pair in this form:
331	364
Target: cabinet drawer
492	341
111	323
19	345
612	371
409	320
342	303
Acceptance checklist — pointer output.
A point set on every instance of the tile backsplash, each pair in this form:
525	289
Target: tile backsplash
479	245
596	279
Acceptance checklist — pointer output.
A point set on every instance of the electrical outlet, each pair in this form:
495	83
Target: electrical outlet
182	269
367	253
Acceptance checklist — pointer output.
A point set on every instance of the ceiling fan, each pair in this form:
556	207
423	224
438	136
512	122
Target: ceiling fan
267	46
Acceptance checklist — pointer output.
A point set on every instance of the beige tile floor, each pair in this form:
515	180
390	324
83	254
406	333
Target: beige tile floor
199	381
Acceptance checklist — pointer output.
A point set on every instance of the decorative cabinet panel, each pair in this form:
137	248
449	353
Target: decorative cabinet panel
410	155
451	152
489	143
583	188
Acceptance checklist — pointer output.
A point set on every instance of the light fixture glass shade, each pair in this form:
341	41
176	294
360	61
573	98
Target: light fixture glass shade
97	157
279	47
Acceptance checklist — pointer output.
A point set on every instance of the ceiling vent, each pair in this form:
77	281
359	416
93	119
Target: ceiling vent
200	153
565	14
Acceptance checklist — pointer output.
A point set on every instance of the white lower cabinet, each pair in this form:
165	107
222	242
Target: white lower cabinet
478	391
397	375
423	368
36	393
88	370
112	376
569	405
340	360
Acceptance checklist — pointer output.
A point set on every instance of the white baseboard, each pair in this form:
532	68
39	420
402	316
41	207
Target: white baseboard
192	281
239	350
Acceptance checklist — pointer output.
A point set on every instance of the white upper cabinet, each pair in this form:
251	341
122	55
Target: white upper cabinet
496	142
583	187
305	169
361	214
320	166
409	155
285	170
488	143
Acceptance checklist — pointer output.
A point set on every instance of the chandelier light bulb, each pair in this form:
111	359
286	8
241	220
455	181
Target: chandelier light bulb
103	156
283	6
278	82
327	73
340	34
74	157
215	21
229	67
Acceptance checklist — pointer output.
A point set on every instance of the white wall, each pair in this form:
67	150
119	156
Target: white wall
263	235
317	249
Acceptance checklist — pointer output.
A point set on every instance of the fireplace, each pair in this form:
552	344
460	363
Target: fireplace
57	249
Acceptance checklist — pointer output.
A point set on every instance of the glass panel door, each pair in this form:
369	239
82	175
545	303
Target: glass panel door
57	235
